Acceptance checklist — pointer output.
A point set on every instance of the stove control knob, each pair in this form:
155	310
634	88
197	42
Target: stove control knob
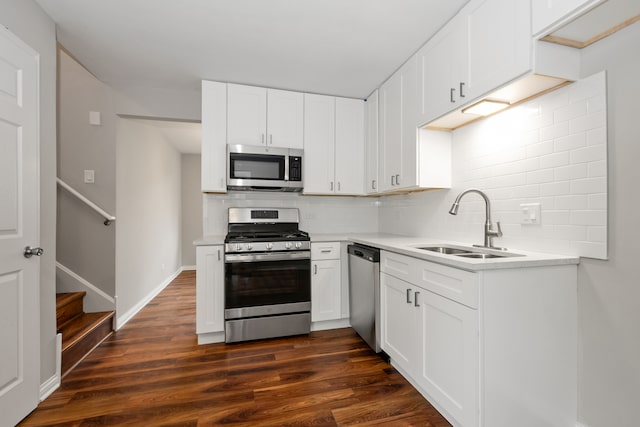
269	245
238	247
248	246
287	245
298	245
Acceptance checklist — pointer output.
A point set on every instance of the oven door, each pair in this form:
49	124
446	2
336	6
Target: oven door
263	284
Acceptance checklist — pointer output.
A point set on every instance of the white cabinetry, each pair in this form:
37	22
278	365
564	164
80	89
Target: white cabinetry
326	284
482	346
334	145
371	184
545	14
210	294
486	45
260	116
214	137
398	129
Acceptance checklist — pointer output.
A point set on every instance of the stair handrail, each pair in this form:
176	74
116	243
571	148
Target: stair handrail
108	218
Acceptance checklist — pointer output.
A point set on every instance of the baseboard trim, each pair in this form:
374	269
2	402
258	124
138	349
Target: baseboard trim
188	267
53	383
330	324
211	338
579	424
121	320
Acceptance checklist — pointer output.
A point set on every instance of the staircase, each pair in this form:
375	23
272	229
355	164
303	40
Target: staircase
81	332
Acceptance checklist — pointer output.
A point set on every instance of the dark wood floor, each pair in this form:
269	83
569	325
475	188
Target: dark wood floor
152	373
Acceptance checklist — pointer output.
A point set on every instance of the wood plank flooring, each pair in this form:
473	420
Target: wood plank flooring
152	373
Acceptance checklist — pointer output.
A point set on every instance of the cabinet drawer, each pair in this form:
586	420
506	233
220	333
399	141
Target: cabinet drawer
458	285
325	250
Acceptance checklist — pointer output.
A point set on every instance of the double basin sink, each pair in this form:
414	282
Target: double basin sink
473	253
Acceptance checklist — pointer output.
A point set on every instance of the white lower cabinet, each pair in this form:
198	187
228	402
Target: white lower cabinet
210	294
493	348
326	283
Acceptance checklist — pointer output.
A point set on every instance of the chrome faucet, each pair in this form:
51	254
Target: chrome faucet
489	231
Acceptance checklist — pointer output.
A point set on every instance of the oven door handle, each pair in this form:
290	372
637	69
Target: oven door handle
270	256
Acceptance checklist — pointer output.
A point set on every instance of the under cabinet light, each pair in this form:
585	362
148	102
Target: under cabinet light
486	107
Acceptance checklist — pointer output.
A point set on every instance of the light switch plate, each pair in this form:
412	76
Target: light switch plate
89	176
94	118
530	213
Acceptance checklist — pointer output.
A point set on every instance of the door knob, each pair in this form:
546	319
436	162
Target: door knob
29	252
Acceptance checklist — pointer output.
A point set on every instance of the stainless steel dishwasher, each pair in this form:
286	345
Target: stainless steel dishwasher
364	293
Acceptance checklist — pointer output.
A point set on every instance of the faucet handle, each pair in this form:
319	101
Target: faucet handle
498	229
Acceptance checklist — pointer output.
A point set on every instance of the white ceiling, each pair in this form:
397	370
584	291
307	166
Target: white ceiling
335	47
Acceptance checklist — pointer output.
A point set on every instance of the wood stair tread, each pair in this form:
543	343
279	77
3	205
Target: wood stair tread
81	326
68	306
65	298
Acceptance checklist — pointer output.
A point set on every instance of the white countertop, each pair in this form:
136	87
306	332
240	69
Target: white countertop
409	246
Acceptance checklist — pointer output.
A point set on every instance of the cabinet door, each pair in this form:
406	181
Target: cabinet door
545	13
326	290
390	131
442	64
400	335
214	137
371	145
500	44
319	141
246	115
209	289
349	146
408	175
448	366
284	118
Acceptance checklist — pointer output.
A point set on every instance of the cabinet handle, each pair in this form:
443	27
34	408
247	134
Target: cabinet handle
409	296
325	251
373	184
338	185
331	185
451	92
270	139
315	268
462	95
415	299
262	139
218	254
392	180
397	179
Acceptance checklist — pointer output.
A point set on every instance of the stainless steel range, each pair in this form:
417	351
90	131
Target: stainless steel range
267	265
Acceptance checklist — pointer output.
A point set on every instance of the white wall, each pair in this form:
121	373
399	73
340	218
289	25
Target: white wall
551	150
25	19
191	207
609	292
148	241
85	245
323	214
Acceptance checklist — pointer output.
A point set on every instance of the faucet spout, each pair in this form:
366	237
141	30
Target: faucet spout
489	231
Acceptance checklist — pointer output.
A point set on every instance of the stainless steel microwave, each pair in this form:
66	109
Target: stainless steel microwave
258	168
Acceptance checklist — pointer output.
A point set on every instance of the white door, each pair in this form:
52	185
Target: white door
246	115
285	118
326	301
19	216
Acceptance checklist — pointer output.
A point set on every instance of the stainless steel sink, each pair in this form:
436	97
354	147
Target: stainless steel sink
472	253
446	250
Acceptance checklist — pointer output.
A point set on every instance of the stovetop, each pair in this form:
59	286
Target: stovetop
267	236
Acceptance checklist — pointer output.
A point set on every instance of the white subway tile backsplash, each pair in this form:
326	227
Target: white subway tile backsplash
570	142
566	173
556	130
551	150
554	160
589	185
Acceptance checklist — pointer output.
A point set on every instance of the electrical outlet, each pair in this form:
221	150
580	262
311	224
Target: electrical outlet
530	213
89	176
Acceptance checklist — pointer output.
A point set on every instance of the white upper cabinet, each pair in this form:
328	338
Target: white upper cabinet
485	46
500	43
333	145
214	137
371	145
319	144
442	71
349	146
546	13
260	116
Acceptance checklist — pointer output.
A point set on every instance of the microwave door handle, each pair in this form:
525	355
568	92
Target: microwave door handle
286	167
